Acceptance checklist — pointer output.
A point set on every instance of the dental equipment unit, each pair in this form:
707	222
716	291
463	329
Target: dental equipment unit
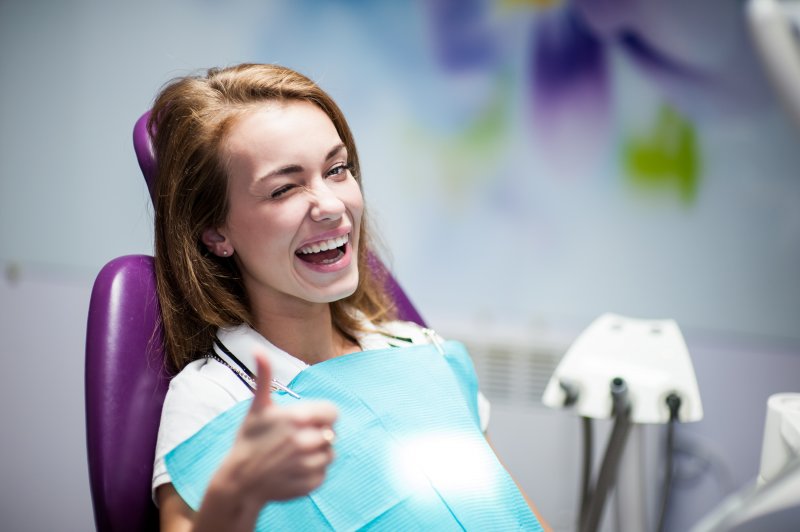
636	372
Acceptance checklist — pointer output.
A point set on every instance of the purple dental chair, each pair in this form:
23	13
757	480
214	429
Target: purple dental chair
126	376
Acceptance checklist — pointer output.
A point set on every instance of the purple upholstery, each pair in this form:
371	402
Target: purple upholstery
126	378
125	386
405	308
145	153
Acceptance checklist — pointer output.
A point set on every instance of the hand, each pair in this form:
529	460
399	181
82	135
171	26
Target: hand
280	452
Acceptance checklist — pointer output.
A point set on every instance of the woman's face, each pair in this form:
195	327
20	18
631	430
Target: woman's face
294	207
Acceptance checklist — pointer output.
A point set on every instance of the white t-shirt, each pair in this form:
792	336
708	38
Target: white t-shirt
205	388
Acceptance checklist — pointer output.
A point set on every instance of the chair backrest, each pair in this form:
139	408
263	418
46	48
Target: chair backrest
126	377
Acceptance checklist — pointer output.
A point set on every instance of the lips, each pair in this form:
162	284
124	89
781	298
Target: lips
324	252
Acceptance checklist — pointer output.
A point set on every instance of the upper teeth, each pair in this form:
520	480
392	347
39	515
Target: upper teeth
325	245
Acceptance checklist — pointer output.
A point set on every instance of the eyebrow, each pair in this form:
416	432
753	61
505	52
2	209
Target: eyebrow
295	168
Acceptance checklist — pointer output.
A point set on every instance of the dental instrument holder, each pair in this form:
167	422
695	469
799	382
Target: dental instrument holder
648	359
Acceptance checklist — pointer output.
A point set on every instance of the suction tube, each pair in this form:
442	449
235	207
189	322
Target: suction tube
586	475
674	405
571	395
616	444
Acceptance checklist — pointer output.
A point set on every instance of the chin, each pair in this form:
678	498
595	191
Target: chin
337	291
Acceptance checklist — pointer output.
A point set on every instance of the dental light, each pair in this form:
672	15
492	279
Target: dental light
632	370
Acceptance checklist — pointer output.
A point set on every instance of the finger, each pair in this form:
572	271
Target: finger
313	439
328	435
303	484
317	461
263	392
314	413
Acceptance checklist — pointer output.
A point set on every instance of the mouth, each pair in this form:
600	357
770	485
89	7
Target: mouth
324	252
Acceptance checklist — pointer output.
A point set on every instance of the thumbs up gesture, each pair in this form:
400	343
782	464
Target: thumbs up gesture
280	452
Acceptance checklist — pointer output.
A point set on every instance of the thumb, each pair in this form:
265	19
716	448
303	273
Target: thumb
262	397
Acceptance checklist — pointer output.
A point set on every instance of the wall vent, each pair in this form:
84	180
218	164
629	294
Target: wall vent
513	374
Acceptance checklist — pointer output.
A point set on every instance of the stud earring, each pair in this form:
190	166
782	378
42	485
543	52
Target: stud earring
225	253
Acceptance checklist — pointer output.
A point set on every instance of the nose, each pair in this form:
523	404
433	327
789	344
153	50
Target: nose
326	205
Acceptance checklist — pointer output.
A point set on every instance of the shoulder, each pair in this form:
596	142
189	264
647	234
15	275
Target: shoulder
196	395
203	386
205	382
396	333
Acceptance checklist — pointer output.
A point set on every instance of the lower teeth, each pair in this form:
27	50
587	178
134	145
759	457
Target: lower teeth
340	253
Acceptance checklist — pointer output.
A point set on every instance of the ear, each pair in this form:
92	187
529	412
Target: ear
216	242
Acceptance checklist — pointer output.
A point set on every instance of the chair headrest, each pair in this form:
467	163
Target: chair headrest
143	145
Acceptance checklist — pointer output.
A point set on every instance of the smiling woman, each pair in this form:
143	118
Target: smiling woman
290	194
279	330
209	128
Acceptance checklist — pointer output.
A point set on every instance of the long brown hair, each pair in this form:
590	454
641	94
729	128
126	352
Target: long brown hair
197	290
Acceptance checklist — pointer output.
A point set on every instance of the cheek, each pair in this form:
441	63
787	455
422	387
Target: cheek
355	203
262	232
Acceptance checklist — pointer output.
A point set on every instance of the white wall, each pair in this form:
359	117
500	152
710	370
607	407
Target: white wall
44	481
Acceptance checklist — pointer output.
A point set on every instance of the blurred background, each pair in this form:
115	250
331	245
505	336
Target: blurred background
529	165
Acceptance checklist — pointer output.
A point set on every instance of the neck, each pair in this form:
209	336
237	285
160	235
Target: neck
307	332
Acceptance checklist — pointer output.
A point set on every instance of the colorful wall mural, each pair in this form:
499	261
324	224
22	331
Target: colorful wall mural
540	162
528	162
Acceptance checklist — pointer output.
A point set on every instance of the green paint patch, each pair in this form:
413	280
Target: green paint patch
665	158
466	156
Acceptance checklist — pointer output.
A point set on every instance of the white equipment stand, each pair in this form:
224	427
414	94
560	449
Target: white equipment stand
638	372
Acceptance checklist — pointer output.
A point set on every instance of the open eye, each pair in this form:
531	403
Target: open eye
339	170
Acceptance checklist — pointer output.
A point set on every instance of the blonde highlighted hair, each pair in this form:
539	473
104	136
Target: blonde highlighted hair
198	291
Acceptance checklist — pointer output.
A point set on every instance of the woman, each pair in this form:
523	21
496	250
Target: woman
261	243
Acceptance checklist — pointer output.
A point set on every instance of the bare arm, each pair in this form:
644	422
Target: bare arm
544	524
218	512
280	453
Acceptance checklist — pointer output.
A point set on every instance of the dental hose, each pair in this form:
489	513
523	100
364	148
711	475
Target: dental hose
590	519
674	404
588	444
570	398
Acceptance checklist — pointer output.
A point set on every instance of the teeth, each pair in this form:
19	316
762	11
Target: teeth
325	245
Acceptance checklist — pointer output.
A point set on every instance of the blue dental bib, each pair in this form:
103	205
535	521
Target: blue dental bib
410	454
